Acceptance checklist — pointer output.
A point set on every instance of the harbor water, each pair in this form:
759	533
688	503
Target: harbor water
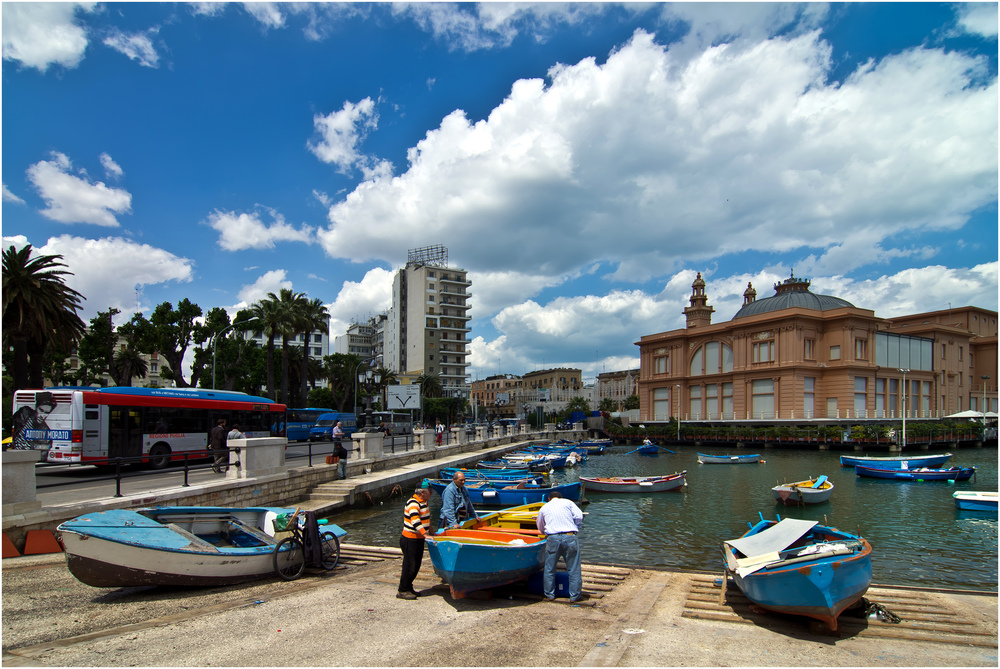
918	537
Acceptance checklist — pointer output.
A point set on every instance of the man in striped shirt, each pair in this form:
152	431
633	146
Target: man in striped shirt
416	528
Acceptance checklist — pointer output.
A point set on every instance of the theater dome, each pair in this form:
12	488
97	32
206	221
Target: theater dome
790	294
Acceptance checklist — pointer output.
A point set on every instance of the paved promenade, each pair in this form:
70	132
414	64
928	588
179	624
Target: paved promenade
351	617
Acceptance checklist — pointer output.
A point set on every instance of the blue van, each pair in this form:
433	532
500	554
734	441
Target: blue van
323	429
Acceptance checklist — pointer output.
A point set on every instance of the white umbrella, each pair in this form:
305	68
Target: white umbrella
967	414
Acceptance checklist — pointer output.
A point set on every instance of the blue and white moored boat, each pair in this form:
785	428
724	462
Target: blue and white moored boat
800	567
175	545
900	462
706	459
976	501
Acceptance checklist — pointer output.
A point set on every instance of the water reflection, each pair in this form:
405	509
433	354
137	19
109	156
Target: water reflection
917	535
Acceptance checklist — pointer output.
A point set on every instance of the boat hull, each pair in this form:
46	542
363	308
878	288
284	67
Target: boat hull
705	459
122	548
495	495
908	462
953	474
976	501
820	586
794	494
471	560
642	484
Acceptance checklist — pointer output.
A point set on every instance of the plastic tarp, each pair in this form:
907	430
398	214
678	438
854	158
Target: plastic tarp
774	539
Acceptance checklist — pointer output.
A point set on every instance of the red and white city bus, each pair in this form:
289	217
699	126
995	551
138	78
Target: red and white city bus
85	424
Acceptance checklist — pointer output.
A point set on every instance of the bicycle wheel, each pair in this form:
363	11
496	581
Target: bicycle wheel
289	558
331	551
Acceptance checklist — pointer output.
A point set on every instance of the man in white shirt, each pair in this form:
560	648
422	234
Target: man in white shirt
560	520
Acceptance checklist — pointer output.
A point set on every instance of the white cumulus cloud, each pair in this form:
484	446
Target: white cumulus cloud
40	34
106	271
8	196
73	199
747	140
341	134
238	232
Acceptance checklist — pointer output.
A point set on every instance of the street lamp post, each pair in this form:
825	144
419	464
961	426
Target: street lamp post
366	361
370	381
982	408
215	338
678	412
904	372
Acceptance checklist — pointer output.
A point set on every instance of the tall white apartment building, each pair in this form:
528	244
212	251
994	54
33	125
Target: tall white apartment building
428	325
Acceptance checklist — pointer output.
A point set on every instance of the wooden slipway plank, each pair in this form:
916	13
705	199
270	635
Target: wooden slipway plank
609	652
925	616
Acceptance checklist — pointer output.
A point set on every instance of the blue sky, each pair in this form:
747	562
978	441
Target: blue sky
582	161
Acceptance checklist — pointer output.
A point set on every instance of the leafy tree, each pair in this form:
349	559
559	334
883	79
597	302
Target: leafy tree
171	334
578	404
37	306
128	361
430	385
339	371
320	397
631	402
97	349
607	404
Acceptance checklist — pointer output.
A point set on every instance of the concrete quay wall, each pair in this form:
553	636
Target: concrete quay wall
366	477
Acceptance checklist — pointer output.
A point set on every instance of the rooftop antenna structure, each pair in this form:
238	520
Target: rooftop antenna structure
430	256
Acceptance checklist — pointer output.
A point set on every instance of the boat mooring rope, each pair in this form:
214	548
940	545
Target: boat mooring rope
879	612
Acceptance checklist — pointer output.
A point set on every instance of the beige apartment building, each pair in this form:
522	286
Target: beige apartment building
797	356
427	328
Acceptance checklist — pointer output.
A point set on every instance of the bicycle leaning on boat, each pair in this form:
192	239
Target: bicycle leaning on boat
305	546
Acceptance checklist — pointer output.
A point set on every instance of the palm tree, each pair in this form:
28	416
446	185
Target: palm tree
312	316
430	385
37	306
288	305
268	316
128	363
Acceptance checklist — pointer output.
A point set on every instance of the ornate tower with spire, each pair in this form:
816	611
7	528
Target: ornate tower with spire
699	314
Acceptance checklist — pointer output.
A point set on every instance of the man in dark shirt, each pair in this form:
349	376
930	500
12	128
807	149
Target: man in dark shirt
217	443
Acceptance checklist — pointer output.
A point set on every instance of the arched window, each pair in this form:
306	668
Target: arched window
712	358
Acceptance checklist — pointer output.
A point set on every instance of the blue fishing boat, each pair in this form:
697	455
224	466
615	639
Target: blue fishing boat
177	545
900	462
541	466
511	478
496	493
706	459
918	474
647	449
976	501
800	567
471	560
555	461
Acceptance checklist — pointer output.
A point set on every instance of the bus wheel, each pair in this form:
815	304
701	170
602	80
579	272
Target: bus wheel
159	456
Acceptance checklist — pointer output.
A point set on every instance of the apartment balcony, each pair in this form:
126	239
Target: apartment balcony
455	279
445	289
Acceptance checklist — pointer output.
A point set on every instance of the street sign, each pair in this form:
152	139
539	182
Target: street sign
404	397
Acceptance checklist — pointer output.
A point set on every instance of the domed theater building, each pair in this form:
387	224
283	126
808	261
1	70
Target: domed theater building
799	356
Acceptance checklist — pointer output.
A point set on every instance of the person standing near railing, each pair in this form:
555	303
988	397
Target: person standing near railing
338	435
217	443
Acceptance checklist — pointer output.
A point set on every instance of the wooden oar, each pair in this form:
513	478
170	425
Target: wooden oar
665	449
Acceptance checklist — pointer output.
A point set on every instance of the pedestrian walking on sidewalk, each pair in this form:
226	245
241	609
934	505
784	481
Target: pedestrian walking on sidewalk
438	432
416	529
560	520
